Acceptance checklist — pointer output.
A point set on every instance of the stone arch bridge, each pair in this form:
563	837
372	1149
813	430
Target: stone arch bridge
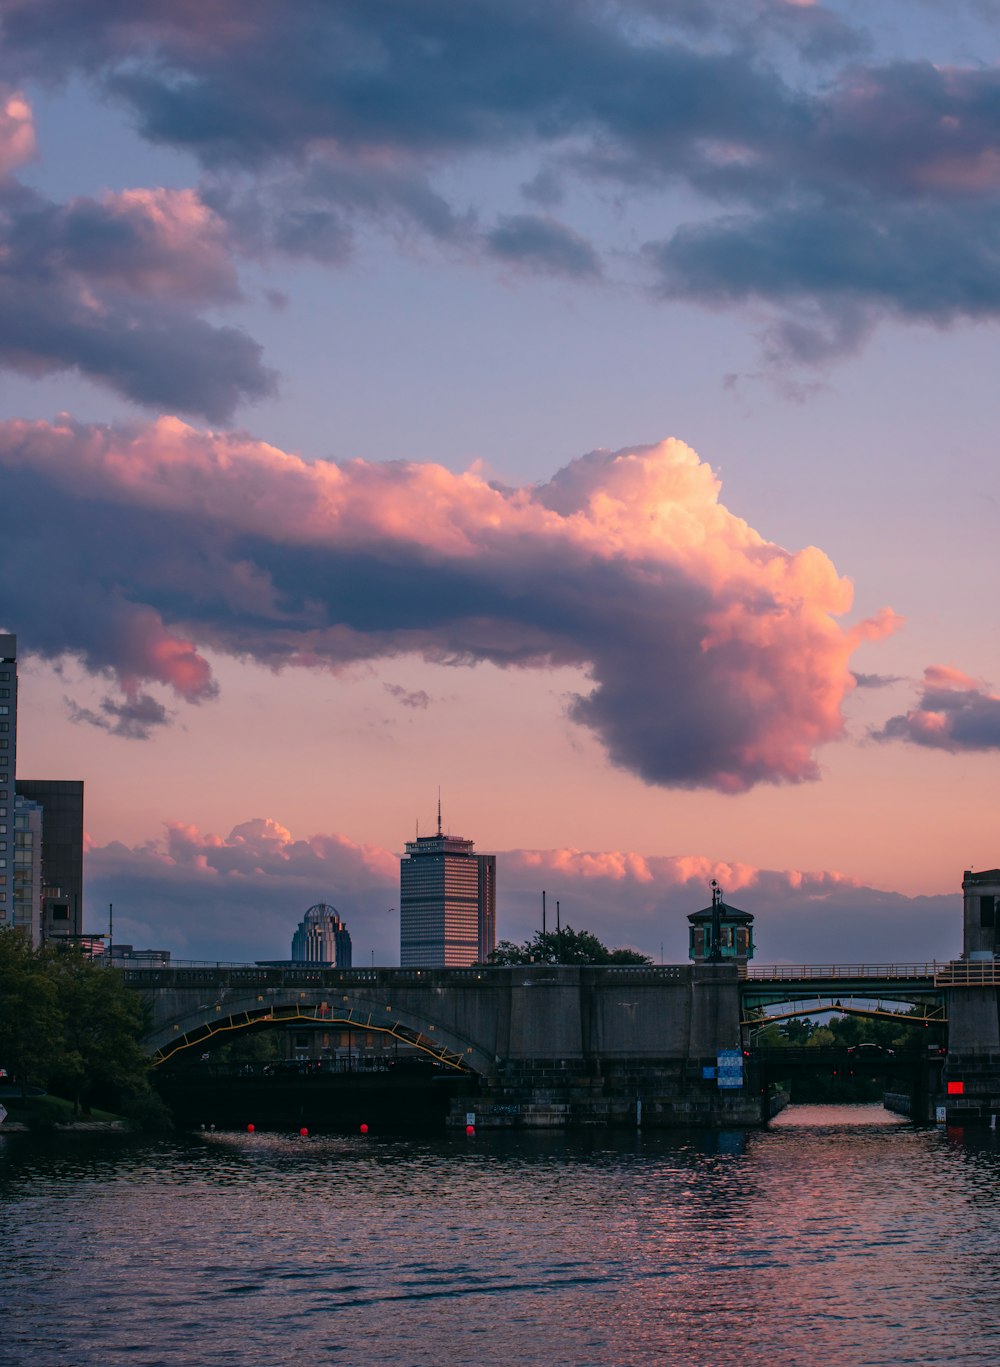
563	1045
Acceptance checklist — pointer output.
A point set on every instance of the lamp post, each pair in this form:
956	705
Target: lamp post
716	955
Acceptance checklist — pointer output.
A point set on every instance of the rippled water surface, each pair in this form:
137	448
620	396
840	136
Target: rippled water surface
839	1235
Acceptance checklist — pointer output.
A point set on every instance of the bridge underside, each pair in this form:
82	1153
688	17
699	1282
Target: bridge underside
813	997
208	1031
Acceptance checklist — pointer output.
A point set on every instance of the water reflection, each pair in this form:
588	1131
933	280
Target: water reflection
821	1237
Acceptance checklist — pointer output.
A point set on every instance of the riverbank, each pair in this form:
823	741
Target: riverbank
47	1114
85	1126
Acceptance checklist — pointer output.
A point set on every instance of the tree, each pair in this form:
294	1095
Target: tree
30	1018
101	1056
69	1024
565	946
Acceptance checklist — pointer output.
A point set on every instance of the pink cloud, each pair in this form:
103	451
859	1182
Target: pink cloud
167	243
112	287
17	132
716	658
954	713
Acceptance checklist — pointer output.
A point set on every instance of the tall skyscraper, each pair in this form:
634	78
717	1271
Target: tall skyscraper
447	902
8	754
322	938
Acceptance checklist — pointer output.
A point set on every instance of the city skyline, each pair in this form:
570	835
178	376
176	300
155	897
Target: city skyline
590	411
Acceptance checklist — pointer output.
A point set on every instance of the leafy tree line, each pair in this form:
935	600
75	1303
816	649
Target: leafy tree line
861	1078
71	1026
905	1031
565	946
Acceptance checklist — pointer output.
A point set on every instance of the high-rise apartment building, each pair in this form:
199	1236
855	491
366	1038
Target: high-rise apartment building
322	938
26	903
41	833
61	803
447	902
8	755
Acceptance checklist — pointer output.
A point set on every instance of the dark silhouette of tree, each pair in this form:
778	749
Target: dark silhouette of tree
565	946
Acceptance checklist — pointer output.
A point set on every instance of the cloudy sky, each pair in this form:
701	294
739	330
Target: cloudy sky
586	407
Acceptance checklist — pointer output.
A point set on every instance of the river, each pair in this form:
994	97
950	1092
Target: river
839	1235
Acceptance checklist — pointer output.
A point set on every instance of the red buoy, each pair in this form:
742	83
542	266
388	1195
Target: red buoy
251	1128
364	1129
303	1132
470	1129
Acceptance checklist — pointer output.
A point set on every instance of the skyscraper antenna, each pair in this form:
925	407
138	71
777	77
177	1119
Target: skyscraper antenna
439	809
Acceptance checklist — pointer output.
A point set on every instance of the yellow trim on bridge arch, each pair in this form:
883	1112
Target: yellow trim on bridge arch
279	1015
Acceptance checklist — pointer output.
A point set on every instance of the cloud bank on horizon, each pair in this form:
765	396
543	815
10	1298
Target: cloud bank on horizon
205	896
792	168
716	657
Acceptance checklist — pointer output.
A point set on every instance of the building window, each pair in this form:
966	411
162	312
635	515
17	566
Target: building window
60	912
987	912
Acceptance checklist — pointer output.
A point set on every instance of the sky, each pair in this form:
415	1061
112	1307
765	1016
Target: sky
586	409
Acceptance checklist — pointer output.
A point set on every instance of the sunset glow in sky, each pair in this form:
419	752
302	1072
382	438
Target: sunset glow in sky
588	408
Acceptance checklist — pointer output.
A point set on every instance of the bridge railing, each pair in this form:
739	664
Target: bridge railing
969	973
949	973
183	973
796	972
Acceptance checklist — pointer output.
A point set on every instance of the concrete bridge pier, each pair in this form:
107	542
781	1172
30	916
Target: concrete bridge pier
621	1048
971	1078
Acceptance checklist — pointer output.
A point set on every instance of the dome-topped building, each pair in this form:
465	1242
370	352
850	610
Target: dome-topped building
720	933
322	938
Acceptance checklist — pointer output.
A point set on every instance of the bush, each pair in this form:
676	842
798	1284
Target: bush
44	1113
147	1112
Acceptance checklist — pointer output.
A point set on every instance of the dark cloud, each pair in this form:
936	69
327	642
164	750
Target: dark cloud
953	713
874	680
415	698
715	658
928	262
134	718
873	192
241	896
542	244
312	211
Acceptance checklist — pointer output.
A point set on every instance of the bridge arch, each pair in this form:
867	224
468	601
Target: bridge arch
238	1008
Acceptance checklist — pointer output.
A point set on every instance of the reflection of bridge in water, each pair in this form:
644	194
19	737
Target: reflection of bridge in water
560	1045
